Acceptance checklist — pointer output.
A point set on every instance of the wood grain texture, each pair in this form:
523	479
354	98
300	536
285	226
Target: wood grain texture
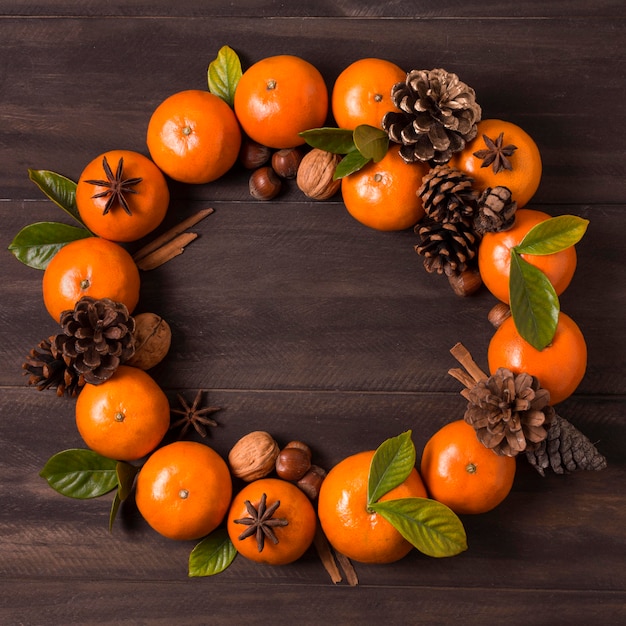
296	319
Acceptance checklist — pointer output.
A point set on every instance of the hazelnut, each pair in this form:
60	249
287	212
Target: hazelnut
315	174
253	456
286	162
264	184
311	482
498	314
466	283
253	154
294	461
153	337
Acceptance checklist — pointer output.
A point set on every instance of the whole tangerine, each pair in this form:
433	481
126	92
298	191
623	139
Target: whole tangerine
125	417
90	267
362	92
279	97
293	515
460	472
494	256
184	490
122	195
559	368
348	525
194	136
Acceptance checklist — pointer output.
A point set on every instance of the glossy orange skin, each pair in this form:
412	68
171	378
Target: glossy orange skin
294	539
125	417
460	472
559	367
194	137
148	206
383	195
348	525
524	177
494	257
184	490
90	267
362	92
279	97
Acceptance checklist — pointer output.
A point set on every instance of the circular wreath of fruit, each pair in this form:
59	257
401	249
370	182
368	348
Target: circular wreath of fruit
470	179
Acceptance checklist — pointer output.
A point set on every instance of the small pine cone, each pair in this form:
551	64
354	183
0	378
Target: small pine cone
97	336
495	210
447	248
510	412
47	369
438	116
447	194
566	449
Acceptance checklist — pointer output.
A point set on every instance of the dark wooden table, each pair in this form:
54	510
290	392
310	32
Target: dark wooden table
298	320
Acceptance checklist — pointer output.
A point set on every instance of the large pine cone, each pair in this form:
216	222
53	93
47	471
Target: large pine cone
46	368
510	412
439	115
447	194
565	449
448	247
97	336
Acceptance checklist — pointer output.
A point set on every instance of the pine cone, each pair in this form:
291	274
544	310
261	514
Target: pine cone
566	449
439	114
510	412
447	248
495	211
447	194
47	369
97	336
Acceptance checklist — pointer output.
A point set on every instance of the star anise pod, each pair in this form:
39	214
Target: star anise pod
496	154
261	522
193	416
116	186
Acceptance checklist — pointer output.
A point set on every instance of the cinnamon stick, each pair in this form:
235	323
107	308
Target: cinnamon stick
166	252
171	234
326	555
463	356
347	568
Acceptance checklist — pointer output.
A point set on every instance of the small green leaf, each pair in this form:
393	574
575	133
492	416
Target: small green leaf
553	235
335	140
534	303
115	507
391	464
80	473
212	555
37	243
59	189
371	142
352	162
224	73
429	526
125	478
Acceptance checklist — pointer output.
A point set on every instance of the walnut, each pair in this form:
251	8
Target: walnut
315	174
153	337
253	456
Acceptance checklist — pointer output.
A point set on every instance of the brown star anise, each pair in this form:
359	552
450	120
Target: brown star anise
193	416
116	186
261	523
496	154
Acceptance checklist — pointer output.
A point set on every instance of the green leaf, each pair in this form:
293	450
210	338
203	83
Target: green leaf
371	142
352	162
37	243
59	189
534	303
429	526
391	464
80	473
212	555
224	73
115	507
125	479
553	235
335	140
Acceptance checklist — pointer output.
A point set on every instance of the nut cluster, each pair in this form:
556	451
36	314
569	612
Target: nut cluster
257	455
